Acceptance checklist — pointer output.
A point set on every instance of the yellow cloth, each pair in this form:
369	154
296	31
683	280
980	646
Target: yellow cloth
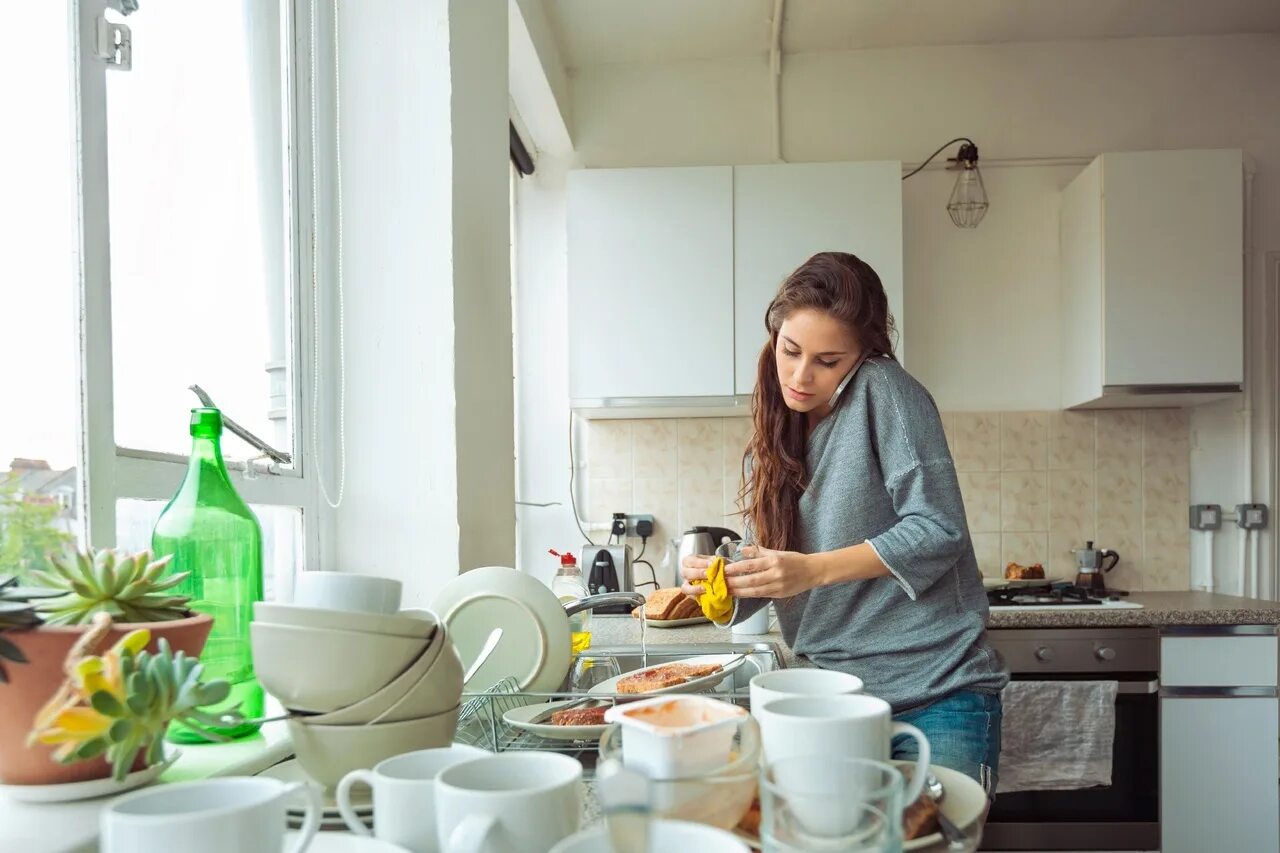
716	603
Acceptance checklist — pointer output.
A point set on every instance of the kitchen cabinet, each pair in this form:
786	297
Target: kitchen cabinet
783	214
1220	743
650	283
1152	279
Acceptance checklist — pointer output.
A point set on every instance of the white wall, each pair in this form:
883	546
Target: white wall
985	295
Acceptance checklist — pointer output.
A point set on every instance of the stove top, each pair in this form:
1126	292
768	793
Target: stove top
1058	596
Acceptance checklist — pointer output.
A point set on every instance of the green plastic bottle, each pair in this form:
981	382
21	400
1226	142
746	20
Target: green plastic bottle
214	535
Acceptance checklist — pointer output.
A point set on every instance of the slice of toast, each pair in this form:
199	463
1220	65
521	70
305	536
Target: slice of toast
662	602
643	682
686	608
690	670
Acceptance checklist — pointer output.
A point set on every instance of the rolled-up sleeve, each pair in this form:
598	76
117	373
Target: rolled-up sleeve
931	533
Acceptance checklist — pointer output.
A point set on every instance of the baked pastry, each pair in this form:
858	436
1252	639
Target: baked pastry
1015	572
648	680
579	716
920	818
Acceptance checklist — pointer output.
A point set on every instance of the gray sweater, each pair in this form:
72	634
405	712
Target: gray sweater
880	472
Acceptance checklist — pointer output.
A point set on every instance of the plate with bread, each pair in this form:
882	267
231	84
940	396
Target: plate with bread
1016	574
688	675
568	719
670	608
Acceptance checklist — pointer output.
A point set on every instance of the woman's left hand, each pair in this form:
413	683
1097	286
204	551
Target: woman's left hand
770	574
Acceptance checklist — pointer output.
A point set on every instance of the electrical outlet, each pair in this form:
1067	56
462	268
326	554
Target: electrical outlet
1251	516
1206	516
632	520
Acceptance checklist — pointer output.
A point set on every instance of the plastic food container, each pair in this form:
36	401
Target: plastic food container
673	737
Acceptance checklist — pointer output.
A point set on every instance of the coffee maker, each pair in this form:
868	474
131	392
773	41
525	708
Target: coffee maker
1091	564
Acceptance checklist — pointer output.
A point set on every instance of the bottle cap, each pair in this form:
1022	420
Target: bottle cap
566	559
206	423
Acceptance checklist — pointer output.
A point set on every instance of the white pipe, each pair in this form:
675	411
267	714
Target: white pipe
1244	560
775	74
1247	572
1206	574
1256	537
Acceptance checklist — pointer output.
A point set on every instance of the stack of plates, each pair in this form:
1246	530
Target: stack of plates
330	818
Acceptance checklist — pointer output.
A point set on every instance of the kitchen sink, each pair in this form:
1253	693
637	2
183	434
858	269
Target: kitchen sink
761	657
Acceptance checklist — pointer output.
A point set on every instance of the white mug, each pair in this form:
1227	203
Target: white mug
347	591
241	813
508	803
757	623
785	683
663	835
404	787
851	726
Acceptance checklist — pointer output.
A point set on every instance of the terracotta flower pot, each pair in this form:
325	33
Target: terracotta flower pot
34	683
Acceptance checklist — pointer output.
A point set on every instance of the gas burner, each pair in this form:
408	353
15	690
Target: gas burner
1048	594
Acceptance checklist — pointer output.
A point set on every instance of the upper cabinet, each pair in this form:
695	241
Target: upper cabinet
783	214
670	270
650	283
1153	280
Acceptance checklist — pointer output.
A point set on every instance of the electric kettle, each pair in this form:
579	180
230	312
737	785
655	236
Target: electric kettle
701	540
1091	563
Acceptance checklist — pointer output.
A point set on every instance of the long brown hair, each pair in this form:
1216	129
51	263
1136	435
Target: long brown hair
846	288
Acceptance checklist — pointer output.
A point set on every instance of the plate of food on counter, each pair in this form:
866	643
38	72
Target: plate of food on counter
688	675
1016	574
670	608
567	719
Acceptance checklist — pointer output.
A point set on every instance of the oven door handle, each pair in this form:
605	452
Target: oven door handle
1139	687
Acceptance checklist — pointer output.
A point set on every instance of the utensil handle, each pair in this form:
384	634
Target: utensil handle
1112	556
343	797
312	821
921	772
472	834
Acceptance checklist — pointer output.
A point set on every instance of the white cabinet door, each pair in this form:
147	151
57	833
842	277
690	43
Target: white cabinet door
650	282
783	214
1218	774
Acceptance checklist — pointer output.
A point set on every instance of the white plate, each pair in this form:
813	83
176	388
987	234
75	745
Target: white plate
964	803
1000	583
519	718
696	685
677	623
291	771
534	648
341	842
66	792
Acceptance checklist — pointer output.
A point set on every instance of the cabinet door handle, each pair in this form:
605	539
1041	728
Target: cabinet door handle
1219	692
1140	687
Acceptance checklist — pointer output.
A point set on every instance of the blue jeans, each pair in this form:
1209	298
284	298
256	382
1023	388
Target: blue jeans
964	734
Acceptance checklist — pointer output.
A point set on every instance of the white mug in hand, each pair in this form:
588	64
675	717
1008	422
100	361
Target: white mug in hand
508	803
241	813
850	726
403	796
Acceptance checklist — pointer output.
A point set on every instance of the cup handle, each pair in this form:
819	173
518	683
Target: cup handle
312	821
472	834
343	797
921	770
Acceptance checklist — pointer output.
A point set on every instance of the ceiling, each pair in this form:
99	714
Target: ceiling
597	32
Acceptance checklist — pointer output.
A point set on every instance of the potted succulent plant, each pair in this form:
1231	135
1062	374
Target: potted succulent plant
39	628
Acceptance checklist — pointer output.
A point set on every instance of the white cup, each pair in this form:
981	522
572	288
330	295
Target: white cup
758	623
346	591
785	683
241	813
404	787
663	835
851	726
508	803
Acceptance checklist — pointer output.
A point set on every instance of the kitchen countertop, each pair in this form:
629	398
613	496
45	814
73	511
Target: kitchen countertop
1159	609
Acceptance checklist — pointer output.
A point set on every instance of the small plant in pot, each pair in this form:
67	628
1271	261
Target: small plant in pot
40	628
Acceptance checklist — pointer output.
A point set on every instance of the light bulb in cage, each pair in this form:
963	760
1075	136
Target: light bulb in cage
968	202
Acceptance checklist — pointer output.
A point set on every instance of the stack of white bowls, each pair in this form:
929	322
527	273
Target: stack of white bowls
363	680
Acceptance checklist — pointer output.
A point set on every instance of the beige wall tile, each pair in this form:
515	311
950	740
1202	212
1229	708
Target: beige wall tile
609	449
701	501
1130	572
1166	438
732	513
1024	441
1119	440
981	494
949	429
1024	501
1071	440
700	449
607	497
1165	497
1167	562
660	498
1071	503
976	441
986	547
1024	548
653	444
737	434
1119	494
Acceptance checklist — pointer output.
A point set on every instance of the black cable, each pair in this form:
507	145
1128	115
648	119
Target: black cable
573	471
652	573
644	543
936	153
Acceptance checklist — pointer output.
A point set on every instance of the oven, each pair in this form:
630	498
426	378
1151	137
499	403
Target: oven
1124	815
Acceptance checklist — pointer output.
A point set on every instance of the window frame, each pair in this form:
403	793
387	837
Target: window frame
107	472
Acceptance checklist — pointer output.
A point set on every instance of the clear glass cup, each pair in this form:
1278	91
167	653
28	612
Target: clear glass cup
590	670
732	550
824	803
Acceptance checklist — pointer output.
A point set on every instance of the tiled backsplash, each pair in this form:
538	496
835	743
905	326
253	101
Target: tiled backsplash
1036	485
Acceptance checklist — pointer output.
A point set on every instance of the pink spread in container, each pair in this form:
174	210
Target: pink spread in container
677	737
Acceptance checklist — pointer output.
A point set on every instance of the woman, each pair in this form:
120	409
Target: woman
853	505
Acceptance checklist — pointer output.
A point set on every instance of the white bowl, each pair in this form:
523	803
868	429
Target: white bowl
321	669
400	625
327	753
431	685
347	591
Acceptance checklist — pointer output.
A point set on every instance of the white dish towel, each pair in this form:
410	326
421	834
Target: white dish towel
1057	735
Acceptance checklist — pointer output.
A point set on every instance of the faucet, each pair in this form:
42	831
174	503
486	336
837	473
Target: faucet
604	599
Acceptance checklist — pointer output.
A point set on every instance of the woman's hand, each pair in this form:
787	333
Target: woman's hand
770	574
694	569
